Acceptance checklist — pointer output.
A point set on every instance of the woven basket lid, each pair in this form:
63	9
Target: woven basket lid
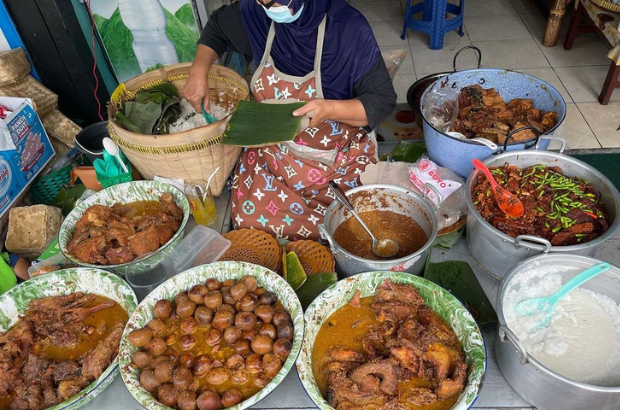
254	246
314	257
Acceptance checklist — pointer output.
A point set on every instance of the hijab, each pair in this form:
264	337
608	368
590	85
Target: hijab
349	48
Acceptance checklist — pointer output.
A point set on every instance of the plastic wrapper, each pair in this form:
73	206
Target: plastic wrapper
436	183
52	264
393	60
441	107
451	210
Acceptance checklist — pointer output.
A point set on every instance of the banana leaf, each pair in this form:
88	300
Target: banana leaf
314	285
67	197
152	111
458	278
255	124
293	271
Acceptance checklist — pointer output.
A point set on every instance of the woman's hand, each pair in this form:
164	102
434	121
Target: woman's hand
346	111
196	89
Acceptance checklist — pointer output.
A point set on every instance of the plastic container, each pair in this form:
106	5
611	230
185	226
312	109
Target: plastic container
54	263
201	246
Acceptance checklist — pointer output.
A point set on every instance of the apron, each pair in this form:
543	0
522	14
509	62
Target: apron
286	194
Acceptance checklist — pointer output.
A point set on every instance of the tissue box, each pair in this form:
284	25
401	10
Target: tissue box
25	149
31	229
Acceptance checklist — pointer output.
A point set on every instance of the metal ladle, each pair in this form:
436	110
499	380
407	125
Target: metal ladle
383	248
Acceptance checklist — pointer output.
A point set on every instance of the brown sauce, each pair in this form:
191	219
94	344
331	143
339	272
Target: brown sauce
384	225
141	208
354	323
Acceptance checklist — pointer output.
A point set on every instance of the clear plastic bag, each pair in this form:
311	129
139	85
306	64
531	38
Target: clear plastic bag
441	107
393	60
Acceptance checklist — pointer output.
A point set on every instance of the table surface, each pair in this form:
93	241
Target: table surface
495	393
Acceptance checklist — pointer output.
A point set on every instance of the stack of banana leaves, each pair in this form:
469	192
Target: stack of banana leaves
152	111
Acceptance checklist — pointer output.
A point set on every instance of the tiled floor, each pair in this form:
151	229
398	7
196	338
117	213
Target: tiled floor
509	33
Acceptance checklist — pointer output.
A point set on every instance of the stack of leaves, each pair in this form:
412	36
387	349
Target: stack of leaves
152	111
255	124
306	286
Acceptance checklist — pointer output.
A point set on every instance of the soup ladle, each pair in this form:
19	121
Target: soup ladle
383	248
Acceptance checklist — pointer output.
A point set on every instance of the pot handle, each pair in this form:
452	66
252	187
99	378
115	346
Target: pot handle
325	235
511	133
430	188
521	241
562	142
506	334
476	50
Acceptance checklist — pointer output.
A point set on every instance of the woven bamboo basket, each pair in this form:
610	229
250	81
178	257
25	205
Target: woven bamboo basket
192	154
254	246
314	257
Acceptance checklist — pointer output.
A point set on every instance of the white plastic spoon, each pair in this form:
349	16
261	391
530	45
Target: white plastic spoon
209	180
112	148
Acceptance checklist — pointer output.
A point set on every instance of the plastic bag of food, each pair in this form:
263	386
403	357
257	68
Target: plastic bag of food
393	60
441	107
435	182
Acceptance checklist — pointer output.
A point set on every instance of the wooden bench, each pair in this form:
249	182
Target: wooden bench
605	23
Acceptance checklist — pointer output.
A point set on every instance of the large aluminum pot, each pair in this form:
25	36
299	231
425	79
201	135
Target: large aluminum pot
380	197
540	386
497	252
455	153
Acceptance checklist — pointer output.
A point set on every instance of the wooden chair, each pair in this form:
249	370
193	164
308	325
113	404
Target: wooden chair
605	24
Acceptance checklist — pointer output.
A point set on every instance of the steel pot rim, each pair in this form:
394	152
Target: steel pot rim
507	238
495	70
501	322
407	192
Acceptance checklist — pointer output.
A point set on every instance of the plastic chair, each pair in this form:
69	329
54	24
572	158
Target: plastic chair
434	21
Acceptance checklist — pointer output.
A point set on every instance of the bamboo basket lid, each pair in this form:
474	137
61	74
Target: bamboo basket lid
254	246
314	257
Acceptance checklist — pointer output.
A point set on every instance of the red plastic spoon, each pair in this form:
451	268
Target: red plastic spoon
507	202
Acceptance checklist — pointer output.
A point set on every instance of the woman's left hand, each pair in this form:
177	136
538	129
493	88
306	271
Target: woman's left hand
318	110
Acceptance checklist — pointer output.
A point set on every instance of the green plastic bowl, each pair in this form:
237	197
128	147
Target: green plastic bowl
63	282
436	297
124	193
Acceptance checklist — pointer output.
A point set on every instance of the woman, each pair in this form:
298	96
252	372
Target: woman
319	51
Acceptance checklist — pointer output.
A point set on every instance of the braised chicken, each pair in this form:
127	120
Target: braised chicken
410	357
118	234
57	348
484	113
561	209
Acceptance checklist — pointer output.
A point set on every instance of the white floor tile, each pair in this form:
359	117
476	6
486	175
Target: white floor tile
548	75
428	61
406	67
575	130
586	51
511	54
417	38
525	6
502	27
584	83
388	33
536	23
401	85
379	11
488	7
604	120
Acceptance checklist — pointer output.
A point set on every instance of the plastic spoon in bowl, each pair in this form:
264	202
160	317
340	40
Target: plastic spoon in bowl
112	148
546	305
209	118
506	200
383	248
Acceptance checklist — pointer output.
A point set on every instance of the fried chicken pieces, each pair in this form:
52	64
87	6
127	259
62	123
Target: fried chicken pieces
107	236
38	383
484	113
409	341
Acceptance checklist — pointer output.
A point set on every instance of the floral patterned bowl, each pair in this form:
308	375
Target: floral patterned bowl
437	298
183	282
63	282
124	193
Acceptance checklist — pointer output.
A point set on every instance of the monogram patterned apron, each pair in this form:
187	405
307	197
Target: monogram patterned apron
286	194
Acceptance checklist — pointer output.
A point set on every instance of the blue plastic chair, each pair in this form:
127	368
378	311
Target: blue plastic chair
434	21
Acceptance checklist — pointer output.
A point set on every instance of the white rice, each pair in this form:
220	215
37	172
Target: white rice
189	119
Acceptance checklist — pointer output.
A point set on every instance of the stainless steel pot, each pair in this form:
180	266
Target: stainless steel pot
540	386
380	197
497	252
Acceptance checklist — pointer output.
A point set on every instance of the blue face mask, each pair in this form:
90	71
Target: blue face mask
282	14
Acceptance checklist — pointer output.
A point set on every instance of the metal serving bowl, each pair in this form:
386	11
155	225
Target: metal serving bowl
498	252
542	387
380	197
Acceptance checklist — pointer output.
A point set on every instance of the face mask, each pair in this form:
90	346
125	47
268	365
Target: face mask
282	14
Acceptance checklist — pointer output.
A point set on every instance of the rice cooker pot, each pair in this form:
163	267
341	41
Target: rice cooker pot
537	384
498	252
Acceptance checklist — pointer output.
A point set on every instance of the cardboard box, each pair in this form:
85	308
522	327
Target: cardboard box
25	149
